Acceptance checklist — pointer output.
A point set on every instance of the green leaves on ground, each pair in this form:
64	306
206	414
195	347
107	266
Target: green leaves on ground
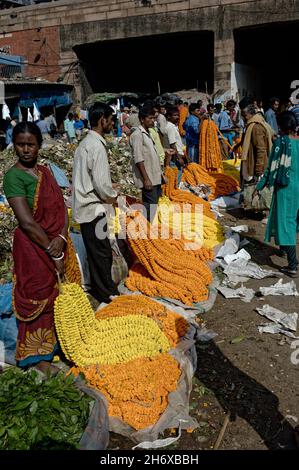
40	414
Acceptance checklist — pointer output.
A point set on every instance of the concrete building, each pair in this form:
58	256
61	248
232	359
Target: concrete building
231	46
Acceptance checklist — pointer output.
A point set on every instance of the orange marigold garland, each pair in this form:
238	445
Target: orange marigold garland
220	184
72	270
183	197
183	277
137	392
209	148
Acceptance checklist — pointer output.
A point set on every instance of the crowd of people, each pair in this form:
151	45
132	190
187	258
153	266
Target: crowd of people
159	136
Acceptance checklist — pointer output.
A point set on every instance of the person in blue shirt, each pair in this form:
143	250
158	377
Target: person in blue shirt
225	121
79	126
44	127
8	133
192	129
270	114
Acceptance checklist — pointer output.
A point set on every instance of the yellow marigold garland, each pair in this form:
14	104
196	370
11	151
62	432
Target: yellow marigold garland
173	325
86	340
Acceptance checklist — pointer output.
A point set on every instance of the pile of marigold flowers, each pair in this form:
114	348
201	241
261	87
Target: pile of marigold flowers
137	391
173	325
167	268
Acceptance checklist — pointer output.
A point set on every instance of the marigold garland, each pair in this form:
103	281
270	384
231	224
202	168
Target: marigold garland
209	148
168	268
197	228
86	341
173	325
183	197
137	392
72	270
220	184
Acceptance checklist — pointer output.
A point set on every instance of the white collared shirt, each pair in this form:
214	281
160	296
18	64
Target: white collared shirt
144	150
92	185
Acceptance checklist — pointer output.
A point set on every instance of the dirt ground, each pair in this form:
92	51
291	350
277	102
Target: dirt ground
243	373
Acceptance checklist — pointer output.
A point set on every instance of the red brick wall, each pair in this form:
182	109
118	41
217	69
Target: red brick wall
29	43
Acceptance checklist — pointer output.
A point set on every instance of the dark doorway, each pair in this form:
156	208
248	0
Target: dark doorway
153	64
266	59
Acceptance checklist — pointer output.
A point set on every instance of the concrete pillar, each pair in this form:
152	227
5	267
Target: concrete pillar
224	57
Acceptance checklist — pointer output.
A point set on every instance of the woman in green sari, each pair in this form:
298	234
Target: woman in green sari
283	175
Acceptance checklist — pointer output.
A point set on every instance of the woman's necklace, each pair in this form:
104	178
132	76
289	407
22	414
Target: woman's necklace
32	171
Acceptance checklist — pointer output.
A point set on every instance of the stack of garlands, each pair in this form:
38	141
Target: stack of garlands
209	148
86	340
125	364
220	184
183	197
198	228
167	268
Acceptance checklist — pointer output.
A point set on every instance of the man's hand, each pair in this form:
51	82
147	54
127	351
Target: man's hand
116	186
147	184
255	194
181	161
56	247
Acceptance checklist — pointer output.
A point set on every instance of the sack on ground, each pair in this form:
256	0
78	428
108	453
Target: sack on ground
263	202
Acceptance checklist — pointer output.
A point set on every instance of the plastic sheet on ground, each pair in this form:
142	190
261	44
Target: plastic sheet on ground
8	338
243	293
6	298
226	202
284	323
96	433
240	265
8	326
240	228
230	246
280	289
274	329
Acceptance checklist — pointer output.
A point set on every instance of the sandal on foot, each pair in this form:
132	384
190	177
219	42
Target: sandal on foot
289	272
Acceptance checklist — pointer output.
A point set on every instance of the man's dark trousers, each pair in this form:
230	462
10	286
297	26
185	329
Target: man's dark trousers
99	255
151	198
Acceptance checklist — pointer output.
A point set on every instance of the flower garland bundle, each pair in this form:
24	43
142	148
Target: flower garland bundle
72	270
209	148
173	325
183	197
197	228
221	184
137	391
168	267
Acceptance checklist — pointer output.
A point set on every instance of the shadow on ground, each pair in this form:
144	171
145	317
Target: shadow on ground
244	397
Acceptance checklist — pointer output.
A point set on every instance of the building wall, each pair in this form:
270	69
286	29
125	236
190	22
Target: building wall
31	42
74	22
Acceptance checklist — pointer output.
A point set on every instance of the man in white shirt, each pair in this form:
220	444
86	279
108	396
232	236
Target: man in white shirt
146	164
92	192
173	138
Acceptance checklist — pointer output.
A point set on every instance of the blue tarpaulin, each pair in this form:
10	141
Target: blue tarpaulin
45	98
